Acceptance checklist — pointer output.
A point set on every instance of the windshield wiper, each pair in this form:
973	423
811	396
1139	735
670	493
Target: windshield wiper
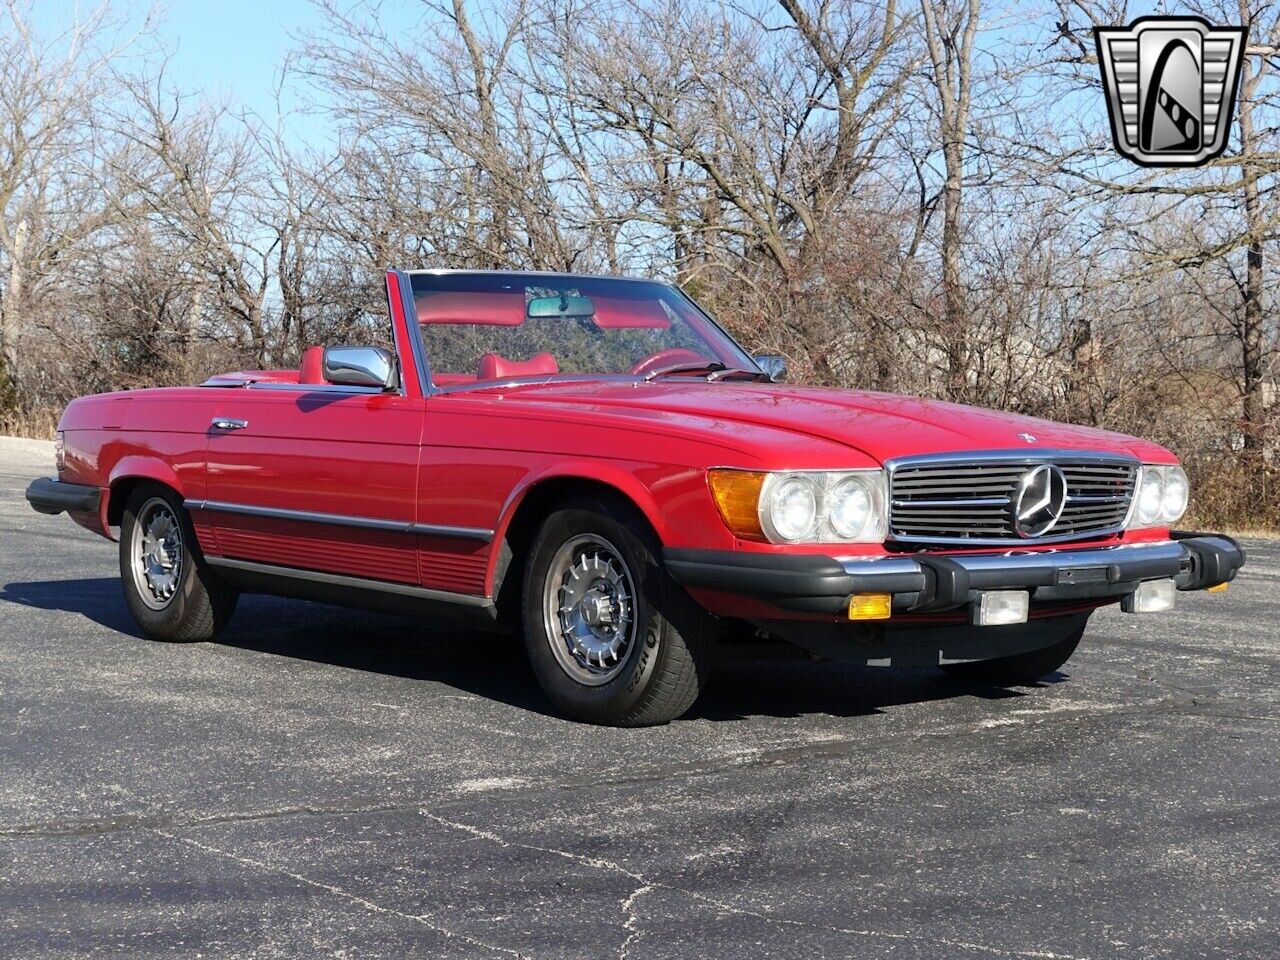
711	366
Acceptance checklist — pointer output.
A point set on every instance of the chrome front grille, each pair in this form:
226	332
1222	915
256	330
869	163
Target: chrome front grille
970	500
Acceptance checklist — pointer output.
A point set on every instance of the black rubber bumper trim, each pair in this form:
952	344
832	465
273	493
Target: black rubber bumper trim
794	578
47	495
1214	558
807	583
946	586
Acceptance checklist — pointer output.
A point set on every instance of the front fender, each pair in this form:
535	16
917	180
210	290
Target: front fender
618	477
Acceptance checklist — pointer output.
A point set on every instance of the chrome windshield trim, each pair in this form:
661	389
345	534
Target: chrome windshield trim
744	359
456	271
413	330
343	520
359	583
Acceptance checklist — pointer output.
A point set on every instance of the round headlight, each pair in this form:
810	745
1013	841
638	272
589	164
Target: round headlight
793	508
1176	492
1150	497
849	508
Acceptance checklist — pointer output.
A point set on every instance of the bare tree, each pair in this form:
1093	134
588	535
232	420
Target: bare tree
950	27
48	89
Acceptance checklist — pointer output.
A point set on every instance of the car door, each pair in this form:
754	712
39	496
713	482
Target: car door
316	479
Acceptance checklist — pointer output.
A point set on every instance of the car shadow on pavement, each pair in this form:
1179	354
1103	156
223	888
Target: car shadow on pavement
743	685
100	599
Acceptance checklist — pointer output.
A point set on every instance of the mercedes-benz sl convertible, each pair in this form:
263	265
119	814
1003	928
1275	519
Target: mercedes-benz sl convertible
594	462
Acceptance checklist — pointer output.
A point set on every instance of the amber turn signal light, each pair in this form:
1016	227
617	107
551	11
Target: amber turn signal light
1217	588
737	497
870	606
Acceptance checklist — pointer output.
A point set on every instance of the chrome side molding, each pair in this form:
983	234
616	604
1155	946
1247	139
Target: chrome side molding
479	534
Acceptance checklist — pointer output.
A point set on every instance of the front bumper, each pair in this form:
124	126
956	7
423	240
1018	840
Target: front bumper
933	583
47	495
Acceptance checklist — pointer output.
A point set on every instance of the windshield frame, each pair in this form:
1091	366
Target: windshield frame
714	330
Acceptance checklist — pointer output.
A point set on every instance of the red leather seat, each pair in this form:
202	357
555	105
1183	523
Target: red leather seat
312	365
495	367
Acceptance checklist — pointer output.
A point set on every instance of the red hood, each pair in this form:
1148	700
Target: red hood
881	425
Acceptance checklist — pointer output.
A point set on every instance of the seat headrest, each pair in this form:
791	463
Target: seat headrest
312	370
496	367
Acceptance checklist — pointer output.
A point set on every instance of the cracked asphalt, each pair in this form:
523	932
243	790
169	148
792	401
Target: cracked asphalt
328	783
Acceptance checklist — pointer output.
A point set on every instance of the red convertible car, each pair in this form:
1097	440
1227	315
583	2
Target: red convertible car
593	461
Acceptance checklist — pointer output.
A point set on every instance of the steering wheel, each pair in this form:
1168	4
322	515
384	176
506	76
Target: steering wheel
667	358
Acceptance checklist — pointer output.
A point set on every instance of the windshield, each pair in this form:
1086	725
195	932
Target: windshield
480	327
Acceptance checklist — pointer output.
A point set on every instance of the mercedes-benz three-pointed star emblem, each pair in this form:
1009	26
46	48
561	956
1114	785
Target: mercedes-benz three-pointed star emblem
1041	497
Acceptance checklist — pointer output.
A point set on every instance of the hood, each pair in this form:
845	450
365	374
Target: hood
881	425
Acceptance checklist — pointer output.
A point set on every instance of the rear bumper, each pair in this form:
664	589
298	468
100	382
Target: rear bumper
47	495
928	583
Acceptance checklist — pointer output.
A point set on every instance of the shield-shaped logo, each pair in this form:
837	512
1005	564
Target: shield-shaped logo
1171	86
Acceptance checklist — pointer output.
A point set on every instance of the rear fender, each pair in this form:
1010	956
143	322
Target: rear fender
128	469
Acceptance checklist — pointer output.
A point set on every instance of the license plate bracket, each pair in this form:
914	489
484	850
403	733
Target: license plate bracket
1083	575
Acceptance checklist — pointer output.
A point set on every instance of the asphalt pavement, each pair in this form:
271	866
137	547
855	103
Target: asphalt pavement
330	783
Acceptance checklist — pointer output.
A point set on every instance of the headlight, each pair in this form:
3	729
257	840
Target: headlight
1150	493
1160	497
790	512
1176	495
848	506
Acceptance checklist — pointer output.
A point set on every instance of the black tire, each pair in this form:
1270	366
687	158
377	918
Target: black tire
199	604
665	663
1020	669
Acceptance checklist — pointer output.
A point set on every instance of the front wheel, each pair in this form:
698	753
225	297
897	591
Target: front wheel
170	590
612	639
1020	669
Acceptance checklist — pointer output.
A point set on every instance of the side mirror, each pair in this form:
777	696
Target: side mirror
774	364
360	367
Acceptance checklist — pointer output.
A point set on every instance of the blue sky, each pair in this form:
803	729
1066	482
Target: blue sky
232	47
226	49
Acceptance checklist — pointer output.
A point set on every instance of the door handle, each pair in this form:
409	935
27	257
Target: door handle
229	423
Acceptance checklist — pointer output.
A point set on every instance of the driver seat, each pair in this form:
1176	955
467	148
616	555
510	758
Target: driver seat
494	366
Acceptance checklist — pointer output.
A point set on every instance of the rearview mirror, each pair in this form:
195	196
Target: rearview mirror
541	307
360	367
774	364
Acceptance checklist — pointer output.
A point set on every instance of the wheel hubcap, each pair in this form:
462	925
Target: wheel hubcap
157	554
590	610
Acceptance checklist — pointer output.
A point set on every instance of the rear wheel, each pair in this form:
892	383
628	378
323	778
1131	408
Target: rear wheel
1020	669
170	590
612	639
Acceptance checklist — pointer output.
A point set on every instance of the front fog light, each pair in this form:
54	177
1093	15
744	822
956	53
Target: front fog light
1154	596
871	606
1001	607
